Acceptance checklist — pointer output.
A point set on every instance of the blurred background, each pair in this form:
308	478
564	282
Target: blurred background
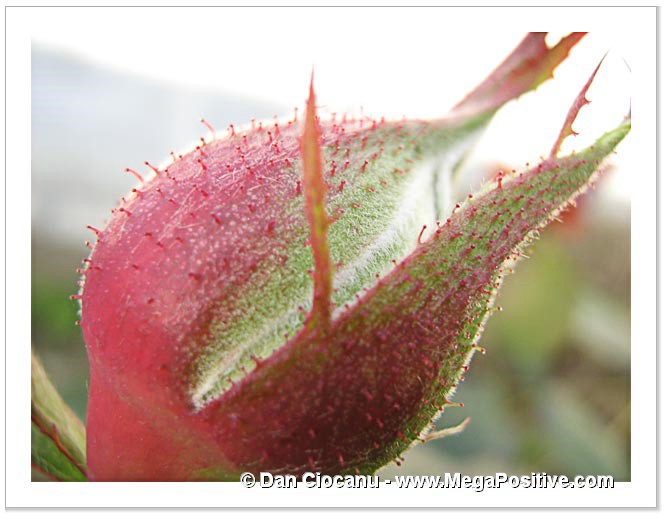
553	391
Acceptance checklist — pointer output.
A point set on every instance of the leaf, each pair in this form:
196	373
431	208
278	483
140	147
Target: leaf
48	459
528	66
58	436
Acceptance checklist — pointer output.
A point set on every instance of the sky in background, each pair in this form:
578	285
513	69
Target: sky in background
391	62
417	62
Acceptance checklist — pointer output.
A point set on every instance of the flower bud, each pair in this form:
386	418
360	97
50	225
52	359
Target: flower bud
268	302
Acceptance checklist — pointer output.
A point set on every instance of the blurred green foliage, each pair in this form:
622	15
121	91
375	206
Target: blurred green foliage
55	337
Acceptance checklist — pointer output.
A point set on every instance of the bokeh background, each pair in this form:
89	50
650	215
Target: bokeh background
552	394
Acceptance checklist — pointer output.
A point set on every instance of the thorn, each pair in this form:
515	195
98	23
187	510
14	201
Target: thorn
209	127
94	230
135	174
419	238
448	431
152	167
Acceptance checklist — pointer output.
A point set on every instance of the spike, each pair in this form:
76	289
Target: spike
152	167
448	431
419	238
209	127
579	102
314	190
135	174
